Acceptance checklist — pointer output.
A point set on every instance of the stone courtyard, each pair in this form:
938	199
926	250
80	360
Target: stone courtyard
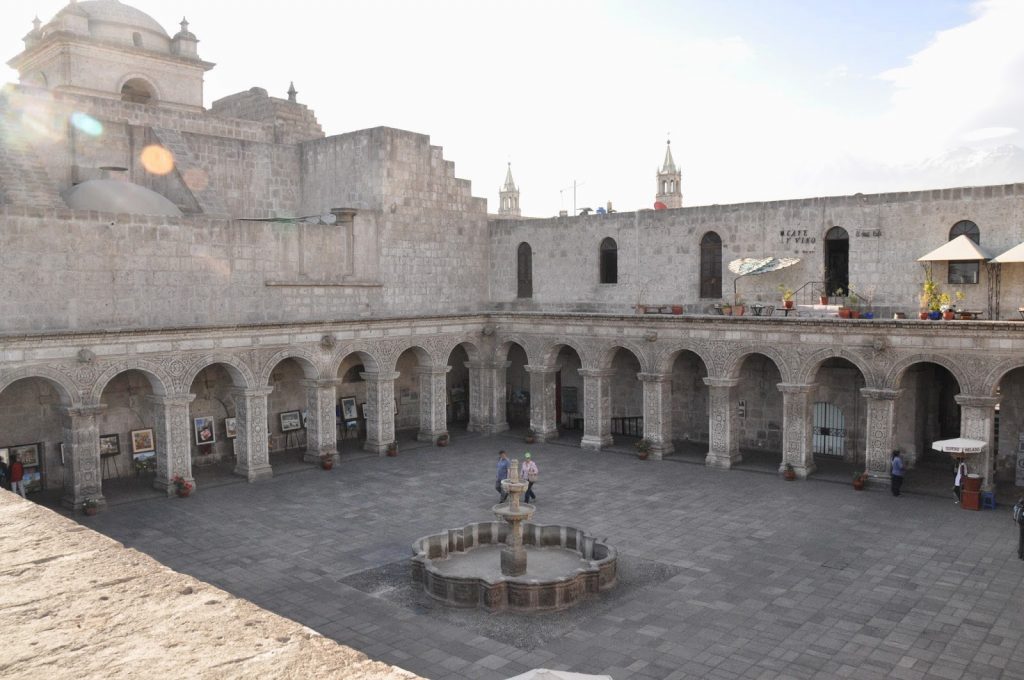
734	574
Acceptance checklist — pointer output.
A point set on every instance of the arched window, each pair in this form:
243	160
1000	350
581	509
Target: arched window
837	261
609	261
524	271
961	272
137	90
711	265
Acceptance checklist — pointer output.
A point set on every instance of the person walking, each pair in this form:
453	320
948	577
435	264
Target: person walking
17	475
502	474
958	482
897	473
529	472
1018	517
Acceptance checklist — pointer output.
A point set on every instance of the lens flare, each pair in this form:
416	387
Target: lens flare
157	160
83	122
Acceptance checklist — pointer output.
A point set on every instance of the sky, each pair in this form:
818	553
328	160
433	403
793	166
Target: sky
762	100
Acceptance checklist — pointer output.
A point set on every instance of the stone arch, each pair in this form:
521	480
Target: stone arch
895	375
813	363
240	372
606	354
370	360
666	359
138	88
990	383
504	344
548	354
738	356
306	359
69	394
423	357
472	350
158	379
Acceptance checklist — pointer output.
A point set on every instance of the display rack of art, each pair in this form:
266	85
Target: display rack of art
143	444
291	421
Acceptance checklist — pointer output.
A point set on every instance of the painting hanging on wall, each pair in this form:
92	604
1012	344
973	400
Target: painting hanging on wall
143	441
204	430
110	445
230	428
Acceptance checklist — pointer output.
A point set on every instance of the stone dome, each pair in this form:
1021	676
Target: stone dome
114	12
116	196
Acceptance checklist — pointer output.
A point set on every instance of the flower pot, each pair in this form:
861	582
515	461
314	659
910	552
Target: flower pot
738	310
867	315
823	299
726	310
858	484
641	309
845	313
922	316
327	463
183	493
854	314
788	304
934	316
789	474
442	442
90	511
677	309
949	315
643	455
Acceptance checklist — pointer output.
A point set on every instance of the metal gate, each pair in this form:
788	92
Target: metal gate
829	437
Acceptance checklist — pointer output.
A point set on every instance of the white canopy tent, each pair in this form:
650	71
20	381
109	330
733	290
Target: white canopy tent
960	248
1014	254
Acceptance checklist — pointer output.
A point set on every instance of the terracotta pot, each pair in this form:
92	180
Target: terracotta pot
949	315
91	512
442	442
738	310
923	316
789	475
934	316
854	314
327	463
392	452
788	304
184	493
823	299
858	484
677	309
643	455
641	309
844	313
727	310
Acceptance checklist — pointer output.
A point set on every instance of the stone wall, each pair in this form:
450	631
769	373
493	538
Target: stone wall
659	251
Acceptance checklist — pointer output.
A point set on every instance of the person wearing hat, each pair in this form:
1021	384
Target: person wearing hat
529	472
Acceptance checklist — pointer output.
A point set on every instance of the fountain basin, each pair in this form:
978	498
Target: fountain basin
460	567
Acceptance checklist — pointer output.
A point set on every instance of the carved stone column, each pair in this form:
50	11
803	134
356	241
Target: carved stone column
433	403
977	421
881	421
321	424
487	382
658	412
252	459
597	404
723	444
797	428
380	411
172	435
82	478
542	401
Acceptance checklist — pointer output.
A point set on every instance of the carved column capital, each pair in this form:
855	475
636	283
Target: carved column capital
540	370
326	383
495	365
380	377
250	393
171	399
721	382
879	394
432	370
654	377
596	372
84	410
979	402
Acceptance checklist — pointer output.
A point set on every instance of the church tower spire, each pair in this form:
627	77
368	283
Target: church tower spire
670	191
509	195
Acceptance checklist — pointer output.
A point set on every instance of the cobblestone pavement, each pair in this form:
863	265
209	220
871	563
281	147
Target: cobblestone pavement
734	574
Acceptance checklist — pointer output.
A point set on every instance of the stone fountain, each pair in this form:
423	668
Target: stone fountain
537	567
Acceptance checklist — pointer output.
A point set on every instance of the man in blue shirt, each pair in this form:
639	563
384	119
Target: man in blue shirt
502	475
897	473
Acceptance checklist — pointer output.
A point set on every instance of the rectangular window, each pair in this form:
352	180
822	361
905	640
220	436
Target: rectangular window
963	272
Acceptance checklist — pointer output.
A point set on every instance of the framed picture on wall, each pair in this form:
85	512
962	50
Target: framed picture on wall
230	428
348	408
5	455
291	420
142	441
204	430
110	445
28	454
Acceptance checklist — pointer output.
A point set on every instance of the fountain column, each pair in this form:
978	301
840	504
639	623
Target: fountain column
513	555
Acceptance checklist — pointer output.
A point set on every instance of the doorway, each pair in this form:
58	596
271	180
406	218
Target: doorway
837	261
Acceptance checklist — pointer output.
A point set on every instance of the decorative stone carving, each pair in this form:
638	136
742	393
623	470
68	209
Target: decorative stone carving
86	356
433	403
542	401
723	445
797	424
596	408
82	478
880	425
380	413
657	412
172	435
251	450
321	428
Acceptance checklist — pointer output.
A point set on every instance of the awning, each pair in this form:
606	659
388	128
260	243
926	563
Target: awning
959	445
960	248
745	266
1014	254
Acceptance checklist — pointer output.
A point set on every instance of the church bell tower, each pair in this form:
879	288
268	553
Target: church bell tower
670	191
509	195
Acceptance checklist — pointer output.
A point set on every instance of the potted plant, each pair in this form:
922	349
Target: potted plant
859	479
531	436
677	309
726	309
442	440
738	307
823	296
787	296
946	305
327	461
643	449
182	486
788	473
854	304
392	449
90	506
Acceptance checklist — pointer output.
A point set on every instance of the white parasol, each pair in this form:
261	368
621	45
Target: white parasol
547	674
959	446
750	266
960	248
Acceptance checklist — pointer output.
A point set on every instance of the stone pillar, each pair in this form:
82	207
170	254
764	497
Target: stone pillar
252	459
487	396
433	403
657	412
723	444
881	421
321	423
977	421
380	411
797	428
82	478
597	403
542	401
172	434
